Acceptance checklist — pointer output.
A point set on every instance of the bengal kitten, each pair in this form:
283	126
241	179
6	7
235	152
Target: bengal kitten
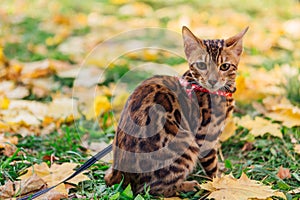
169	123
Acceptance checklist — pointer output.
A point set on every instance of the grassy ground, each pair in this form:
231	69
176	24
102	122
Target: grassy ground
29	33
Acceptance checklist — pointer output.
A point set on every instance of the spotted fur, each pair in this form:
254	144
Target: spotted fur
163	132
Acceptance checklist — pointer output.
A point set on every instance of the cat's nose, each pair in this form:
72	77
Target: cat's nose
212	82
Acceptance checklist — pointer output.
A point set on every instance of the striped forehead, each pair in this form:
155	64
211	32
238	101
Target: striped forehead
214	48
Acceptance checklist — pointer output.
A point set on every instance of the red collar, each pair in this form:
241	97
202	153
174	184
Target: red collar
195	87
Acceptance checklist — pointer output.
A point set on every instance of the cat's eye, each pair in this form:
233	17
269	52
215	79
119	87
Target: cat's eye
225	66
200	65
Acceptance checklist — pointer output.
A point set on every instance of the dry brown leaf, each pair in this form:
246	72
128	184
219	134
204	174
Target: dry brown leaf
13	91
37	69
295	191
9	150
7	190
228	187
248	146
283	173
8	145
259	126
24	187
52	195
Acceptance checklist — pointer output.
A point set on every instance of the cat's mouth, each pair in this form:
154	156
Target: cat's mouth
213	88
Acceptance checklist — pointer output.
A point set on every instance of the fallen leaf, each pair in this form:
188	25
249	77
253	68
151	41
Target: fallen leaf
292	27
60	172
9	150
297	148
37	69
62	107
84	76
136	9
229	130
23	187
228	187
100	106
13	91
4	102
7	190
259	126
40	170
8	144
295	191
52	195
254	84
283	173
50	158
96	147
281	109
42	87
55	174
248	146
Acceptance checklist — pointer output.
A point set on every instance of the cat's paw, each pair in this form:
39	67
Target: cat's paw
188	186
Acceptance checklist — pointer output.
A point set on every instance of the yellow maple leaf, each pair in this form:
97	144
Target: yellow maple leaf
228	187
255	84
281	109
229	130
55	174
245	94
4	102
64	170
101	105
297	148
260	126
38	169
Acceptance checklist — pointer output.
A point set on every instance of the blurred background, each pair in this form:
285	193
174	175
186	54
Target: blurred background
67	68
43	44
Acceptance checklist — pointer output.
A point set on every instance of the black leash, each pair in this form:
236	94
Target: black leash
83	167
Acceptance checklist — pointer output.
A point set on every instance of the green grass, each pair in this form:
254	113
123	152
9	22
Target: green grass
264	160
261	163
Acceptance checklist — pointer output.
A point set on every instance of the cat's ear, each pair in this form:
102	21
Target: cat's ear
235	43
192	45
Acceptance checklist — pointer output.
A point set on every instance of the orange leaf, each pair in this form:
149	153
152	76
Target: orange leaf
283	173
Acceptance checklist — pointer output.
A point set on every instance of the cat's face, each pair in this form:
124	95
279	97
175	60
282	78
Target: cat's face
213	63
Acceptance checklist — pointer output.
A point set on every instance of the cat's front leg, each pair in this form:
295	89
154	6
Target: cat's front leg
209	162
208	157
